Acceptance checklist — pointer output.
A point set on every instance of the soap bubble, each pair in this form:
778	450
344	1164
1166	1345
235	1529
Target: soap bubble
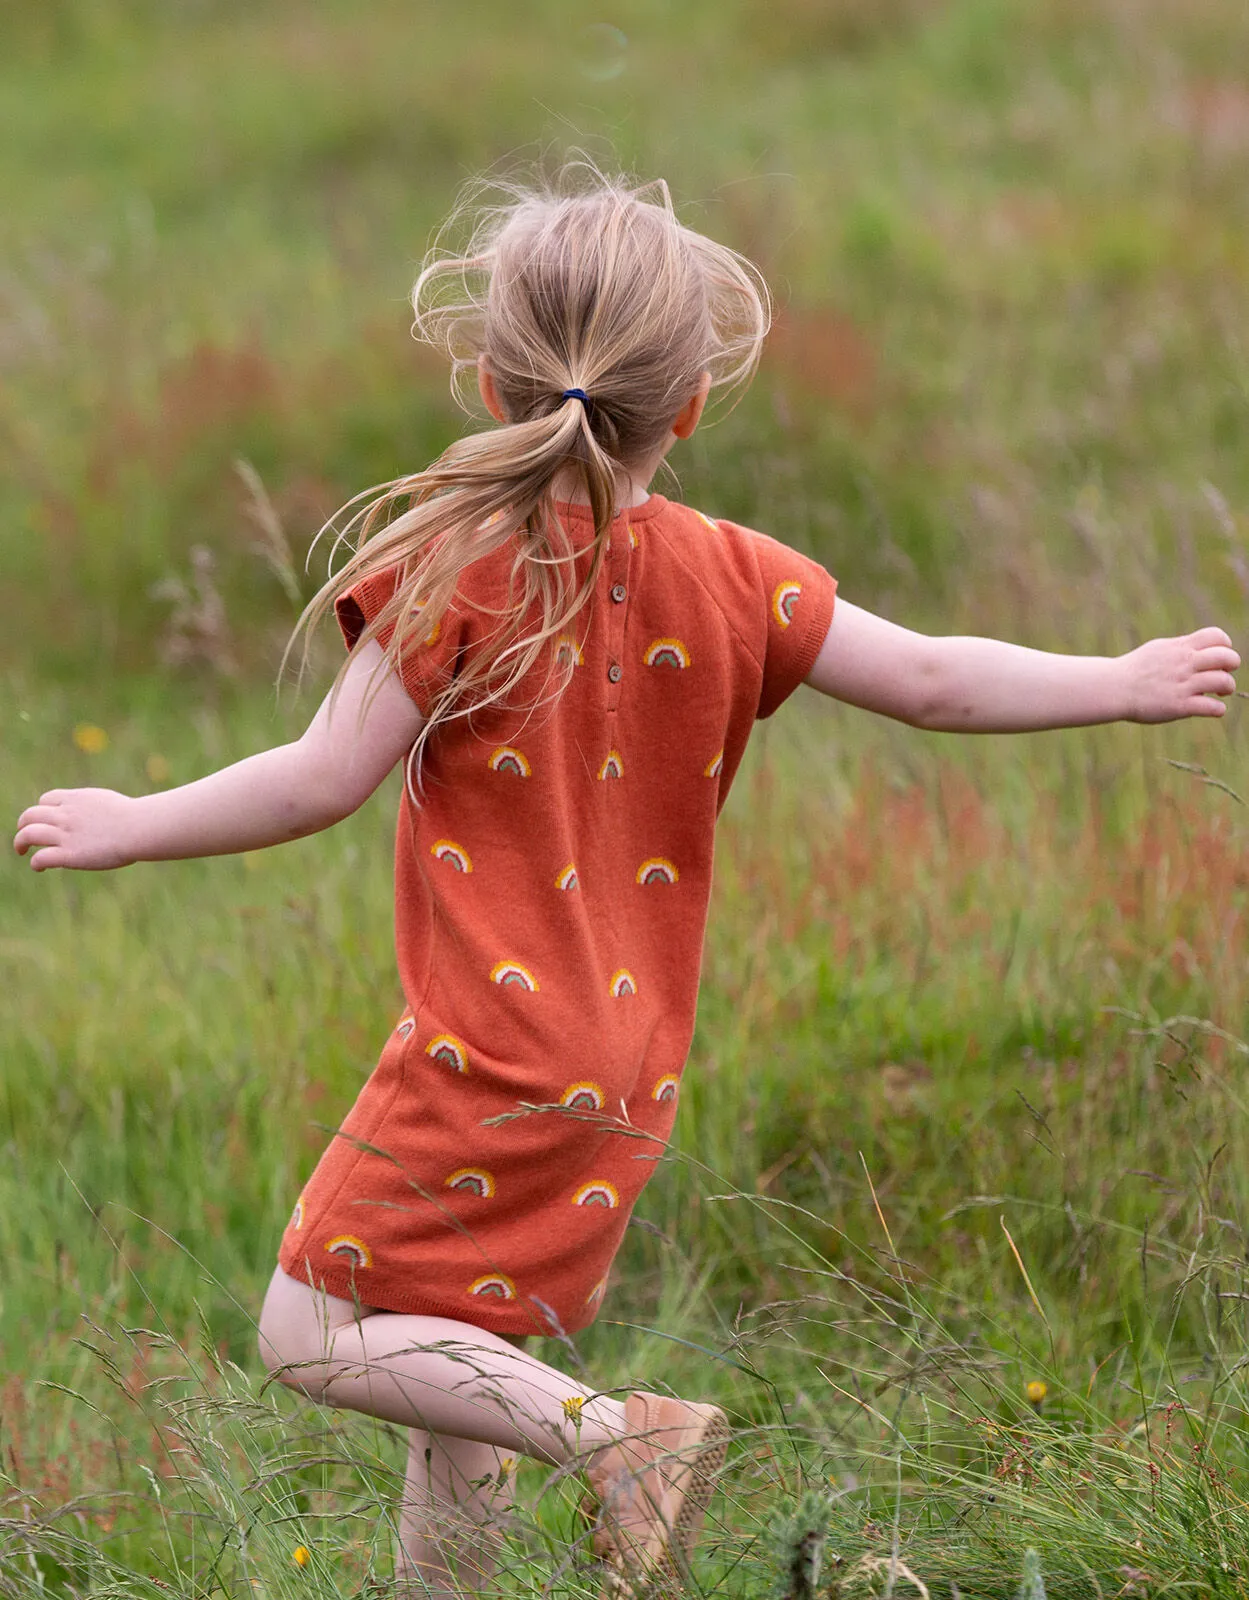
601	52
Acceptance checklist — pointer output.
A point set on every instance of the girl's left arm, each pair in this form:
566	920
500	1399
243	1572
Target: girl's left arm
971	685
296	789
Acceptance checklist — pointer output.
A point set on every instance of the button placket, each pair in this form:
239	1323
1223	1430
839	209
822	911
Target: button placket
617	616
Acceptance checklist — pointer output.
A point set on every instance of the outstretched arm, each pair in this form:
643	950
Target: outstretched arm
971	685
280	794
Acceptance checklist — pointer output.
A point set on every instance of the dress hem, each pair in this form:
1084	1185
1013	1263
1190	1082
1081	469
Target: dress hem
383	1291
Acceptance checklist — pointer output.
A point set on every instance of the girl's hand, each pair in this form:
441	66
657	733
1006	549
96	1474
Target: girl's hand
89	829
1171	678
351	744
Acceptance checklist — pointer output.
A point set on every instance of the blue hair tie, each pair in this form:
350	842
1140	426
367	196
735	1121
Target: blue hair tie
577	394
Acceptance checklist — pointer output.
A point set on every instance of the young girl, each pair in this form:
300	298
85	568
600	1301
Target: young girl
570	666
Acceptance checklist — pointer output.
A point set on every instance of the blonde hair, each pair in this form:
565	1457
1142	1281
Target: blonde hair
585	283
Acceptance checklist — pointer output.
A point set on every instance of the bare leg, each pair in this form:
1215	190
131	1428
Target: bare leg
455	1500
469	1396
431	1372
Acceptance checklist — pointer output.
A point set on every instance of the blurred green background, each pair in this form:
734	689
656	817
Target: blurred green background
1007	243
1006	392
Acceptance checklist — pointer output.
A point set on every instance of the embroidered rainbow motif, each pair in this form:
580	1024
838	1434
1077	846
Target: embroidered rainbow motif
597	1292
713	526
666	1089
471	1180
496	1284
454	854
568	879
506	759
784	599
622	983
297	1216
583	1097
613	766
714	766
597	1193
568	651
657	870
511	973
448	1051
351	1249
666	653
633	538
405	1027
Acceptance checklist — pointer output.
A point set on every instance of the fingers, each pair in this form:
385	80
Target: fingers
44	823
39	833
34	834
1213	657
1203	705
45	858
38	825
1212	683
46	839
39	813
1210	672
1210	636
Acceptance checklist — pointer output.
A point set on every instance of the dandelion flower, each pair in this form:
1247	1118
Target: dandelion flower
157	769
572	1407
1036	1392
90	739
300	1555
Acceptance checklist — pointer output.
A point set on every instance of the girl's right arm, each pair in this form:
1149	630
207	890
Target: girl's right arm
278	795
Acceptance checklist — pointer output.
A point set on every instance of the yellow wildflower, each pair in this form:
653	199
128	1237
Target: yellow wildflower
572	1407
90	739
157	769
300	1555
1036	1392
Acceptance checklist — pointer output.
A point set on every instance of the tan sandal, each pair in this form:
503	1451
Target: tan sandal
650	1490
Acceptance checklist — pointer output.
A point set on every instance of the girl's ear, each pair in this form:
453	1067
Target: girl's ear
688	417
489	391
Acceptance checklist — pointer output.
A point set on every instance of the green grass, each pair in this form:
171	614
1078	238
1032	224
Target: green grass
972	1010
893	1007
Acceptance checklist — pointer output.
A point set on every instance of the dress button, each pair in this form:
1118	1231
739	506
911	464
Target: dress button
615	672
618	592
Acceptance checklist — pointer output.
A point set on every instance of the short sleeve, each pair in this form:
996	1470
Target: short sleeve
427	668
797	595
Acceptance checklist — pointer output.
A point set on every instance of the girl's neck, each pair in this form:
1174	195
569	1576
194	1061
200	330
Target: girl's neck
630	491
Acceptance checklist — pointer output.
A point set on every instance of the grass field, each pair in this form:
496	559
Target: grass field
966	1106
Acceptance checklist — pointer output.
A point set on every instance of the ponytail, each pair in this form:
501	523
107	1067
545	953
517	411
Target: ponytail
485	491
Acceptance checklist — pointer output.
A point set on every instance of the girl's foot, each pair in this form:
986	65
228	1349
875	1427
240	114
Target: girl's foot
652	1489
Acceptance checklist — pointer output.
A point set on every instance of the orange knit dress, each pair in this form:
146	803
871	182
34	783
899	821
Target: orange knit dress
551	898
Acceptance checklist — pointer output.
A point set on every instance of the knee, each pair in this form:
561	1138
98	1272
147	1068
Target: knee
278	1351
291	1339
